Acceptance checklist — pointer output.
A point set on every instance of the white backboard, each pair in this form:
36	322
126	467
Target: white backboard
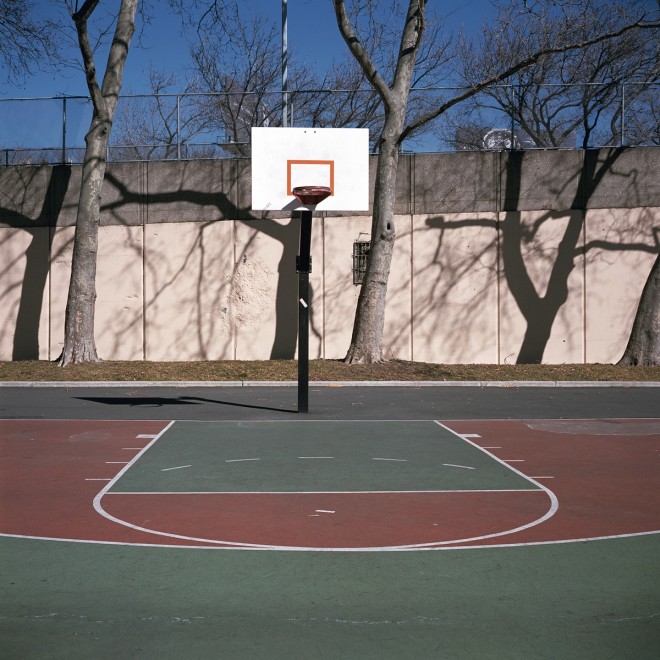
284	158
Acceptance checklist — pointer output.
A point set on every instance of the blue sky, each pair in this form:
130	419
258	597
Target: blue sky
161	46
164	48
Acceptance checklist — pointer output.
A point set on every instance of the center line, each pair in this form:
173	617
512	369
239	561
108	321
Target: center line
239	460
179	467
399	460
465	467
315	456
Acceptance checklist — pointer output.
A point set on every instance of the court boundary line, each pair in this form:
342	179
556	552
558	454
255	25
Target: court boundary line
611	537
466	420
319	492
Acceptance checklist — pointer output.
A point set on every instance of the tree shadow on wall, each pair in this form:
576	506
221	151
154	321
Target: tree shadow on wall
37	258
443	282
540	310
285	233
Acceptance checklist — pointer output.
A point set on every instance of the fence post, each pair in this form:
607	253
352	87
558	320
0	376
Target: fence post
178	127
623	113
64	130
513	94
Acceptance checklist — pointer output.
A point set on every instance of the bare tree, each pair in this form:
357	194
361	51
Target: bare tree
573	99
642	115
339	100
367	339
159	125
79	342
366	342
27	40
237	59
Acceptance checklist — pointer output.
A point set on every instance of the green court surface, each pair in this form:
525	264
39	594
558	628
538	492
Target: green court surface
315	456
576	600
580	580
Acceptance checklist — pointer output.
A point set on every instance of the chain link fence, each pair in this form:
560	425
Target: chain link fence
210	126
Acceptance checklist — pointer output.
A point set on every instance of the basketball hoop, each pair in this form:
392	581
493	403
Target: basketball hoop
311	195
283	161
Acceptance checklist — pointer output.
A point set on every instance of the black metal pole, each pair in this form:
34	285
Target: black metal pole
304	268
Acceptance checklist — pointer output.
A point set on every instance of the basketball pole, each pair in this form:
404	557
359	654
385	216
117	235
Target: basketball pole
304	268
310	196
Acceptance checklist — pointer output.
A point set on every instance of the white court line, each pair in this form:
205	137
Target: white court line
116	462
459	548
260	546
398	460
315	457
236	547
243	545
97	479
470	435
464	467
315	492
241	460
146	436
554	501
178	467
513	460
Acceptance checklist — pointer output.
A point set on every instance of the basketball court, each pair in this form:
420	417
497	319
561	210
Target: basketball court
363	522
253	531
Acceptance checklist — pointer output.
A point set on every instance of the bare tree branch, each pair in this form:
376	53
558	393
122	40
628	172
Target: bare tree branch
519	66
27	41
80	19
360	53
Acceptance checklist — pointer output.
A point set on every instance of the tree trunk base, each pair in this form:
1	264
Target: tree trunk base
629	361
355	356
643	349
79	356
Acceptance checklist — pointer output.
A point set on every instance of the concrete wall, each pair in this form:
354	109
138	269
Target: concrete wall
545	252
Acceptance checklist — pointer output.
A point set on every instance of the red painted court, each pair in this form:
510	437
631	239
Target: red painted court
587	479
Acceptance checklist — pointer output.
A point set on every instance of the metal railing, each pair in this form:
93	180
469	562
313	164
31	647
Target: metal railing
204	125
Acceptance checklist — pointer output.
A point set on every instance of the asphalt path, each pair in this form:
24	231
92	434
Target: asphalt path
334	401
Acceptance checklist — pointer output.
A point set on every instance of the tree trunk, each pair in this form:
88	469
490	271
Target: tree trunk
644	344
367	340
79	342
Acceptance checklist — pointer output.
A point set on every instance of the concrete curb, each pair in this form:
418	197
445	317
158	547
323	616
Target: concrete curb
352	383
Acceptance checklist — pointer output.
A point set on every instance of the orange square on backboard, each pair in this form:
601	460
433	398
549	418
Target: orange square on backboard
321	173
